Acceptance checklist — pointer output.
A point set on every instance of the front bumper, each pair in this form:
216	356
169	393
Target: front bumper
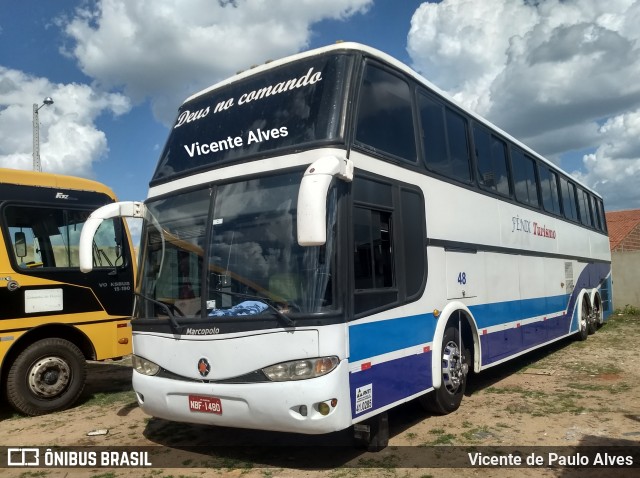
275	406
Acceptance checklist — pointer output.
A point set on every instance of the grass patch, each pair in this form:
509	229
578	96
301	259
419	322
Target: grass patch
106	399
595	387
477	434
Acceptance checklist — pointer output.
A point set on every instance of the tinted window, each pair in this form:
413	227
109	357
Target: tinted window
493	173
385	118
434	134
597	220
458	145
568	192
446	143
524	178
292	105
586	217
373	260
549	190
413	236
603	218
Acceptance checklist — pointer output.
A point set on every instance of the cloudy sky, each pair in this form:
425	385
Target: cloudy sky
562	76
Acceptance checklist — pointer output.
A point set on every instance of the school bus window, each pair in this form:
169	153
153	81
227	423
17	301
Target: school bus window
45	237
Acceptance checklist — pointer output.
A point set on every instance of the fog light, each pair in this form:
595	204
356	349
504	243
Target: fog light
334	402
324	408
303	410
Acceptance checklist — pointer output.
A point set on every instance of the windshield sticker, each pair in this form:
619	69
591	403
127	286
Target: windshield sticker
309	78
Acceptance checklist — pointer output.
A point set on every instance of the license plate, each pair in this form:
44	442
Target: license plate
198	403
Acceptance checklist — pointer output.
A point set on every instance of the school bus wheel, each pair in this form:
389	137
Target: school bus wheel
47	376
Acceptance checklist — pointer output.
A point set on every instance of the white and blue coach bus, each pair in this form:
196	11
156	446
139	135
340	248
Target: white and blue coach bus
328	236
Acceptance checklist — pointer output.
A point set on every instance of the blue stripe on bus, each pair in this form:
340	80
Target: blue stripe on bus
396	379
488	315
377	338
392	381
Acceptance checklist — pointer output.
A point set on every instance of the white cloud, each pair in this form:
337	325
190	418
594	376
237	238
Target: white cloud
70	141
550	72
166	50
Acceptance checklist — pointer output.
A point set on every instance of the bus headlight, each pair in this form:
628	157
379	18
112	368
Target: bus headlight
301	369
144	366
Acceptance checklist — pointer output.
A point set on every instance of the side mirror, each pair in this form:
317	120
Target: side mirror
117	209
20	244
312	197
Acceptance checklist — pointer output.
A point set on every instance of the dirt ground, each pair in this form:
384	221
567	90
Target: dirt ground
571	394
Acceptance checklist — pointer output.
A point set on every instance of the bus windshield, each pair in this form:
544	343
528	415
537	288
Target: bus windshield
245	234
289	107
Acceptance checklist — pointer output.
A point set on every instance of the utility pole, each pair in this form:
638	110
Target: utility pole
36	133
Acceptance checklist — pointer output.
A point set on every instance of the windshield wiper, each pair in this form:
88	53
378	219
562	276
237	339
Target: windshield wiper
281	315
166	308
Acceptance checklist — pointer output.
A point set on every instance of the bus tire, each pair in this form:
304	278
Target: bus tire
47	376
583	320
454	370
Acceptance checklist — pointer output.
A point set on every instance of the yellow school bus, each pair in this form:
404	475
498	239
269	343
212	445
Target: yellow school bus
53	318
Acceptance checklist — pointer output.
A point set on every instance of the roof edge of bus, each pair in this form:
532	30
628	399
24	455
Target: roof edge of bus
386	57
267	65
52	180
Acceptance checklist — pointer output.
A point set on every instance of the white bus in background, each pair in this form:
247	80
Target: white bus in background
328	236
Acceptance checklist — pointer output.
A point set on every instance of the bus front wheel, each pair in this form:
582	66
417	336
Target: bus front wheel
454	370
47	376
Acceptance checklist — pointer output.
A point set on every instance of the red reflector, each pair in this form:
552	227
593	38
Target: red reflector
365	366
121	325
426	349
517	325
484	332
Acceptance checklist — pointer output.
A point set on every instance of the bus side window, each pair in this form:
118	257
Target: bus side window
385	117
568	192
524	178
491	153
549	189
374	248
445	138
603	220
586	216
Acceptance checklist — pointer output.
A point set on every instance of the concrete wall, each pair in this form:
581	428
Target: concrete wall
626	278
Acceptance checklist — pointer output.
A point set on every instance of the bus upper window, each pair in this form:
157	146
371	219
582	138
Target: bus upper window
524	178
446	143
385	119
568	199
586	216
549	190
493	173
